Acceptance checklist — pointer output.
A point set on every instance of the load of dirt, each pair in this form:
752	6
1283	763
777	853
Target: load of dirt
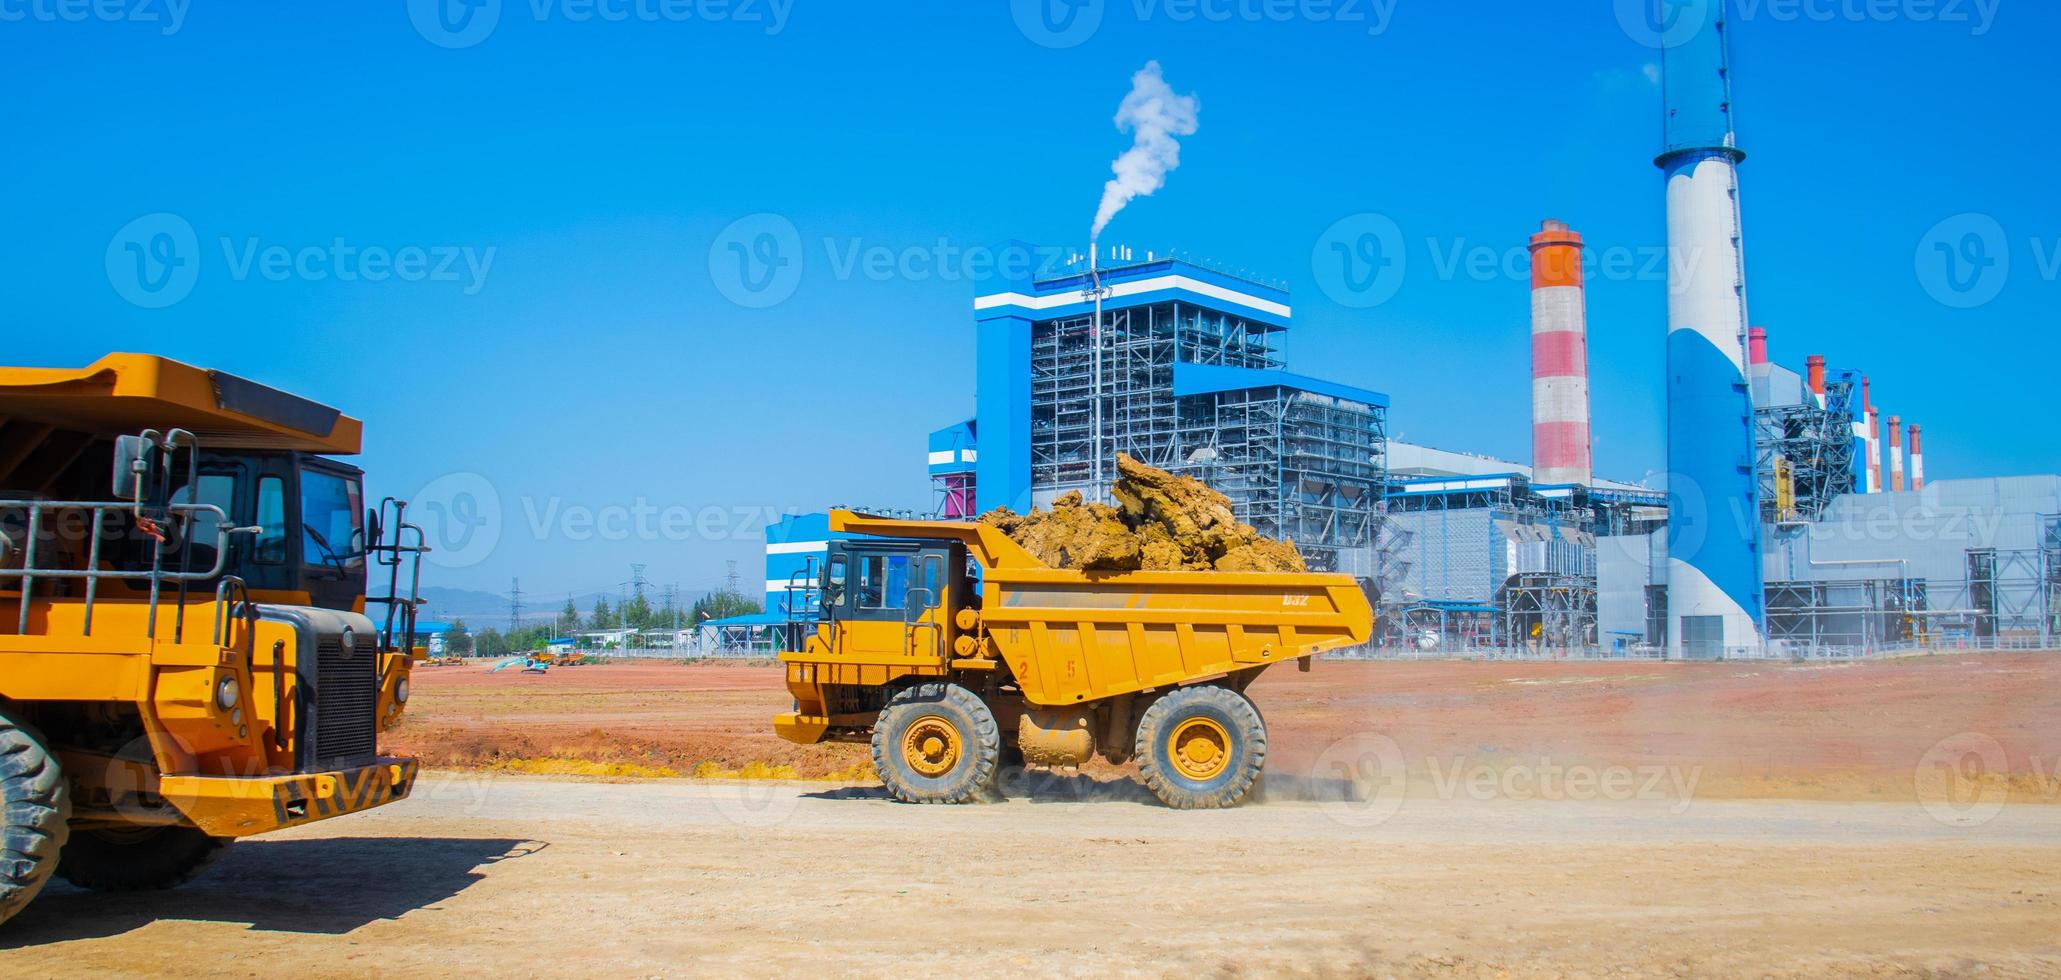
1161	522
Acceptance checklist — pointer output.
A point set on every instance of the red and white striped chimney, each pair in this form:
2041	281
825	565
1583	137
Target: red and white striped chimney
1896	455
1814	374
1917	461
1560	449
1873	437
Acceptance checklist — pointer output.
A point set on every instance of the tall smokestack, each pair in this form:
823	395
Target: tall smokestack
1714	575
1874	451
1756	345
1896	455
1871	473
1560	447
1814	375
1917	461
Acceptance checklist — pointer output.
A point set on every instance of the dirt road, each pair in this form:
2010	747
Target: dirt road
1847	731
514	875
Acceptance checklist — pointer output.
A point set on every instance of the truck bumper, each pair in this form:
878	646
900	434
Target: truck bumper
239	807
797	727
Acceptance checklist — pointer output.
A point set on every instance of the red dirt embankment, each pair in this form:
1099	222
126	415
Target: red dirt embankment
1807	731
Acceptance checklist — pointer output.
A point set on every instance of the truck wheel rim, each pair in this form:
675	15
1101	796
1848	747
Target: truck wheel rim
1200	749
931	746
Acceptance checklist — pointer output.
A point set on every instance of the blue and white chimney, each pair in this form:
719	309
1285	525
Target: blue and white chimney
1715	598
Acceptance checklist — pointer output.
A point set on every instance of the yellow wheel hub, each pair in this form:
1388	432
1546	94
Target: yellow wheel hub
1200	749
931	746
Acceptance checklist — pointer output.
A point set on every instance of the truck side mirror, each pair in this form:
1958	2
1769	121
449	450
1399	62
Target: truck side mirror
374	536
131	463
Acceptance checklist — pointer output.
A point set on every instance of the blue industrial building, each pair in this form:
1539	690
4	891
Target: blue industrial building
1177	365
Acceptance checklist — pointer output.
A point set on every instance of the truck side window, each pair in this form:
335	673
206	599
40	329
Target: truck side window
933	579
203	529
833	583
271	548
872	582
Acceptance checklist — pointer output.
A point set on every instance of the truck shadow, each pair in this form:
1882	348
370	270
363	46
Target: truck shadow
1031	785
327	886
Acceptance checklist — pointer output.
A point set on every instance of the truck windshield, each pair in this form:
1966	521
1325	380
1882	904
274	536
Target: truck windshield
333	516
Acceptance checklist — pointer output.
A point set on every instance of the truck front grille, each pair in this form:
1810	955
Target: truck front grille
346	729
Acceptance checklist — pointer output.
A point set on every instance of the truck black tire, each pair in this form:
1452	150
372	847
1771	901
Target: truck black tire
1201	748
138	859
937	743
36	802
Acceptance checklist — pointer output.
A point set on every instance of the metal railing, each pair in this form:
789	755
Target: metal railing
34	512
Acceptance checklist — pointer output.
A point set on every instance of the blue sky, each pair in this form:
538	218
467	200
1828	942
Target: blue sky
585	166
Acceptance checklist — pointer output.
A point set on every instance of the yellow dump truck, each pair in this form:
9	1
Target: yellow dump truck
948	647
186	655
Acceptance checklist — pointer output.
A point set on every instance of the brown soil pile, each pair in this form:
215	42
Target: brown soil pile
1162	522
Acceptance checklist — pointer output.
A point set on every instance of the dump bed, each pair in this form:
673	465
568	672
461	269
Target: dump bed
1071	636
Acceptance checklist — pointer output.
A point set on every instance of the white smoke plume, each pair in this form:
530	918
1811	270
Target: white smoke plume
1154	115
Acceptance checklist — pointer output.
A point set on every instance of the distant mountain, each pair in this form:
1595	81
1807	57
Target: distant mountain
480	609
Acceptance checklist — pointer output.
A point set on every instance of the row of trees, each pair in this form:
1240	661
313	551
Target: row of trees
638	614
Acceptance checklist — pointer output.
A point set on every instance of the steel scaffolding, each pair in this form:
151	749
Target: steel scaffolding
1296	464
1523	557
1806	453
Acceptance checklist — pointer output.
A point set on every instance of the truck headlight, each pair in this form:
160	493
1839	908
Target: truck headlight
348	642
226	693
401	691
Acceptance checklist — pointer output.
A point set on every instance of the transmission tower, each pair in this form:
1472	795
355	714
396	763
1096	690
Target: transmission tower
637	580
514	605
730	581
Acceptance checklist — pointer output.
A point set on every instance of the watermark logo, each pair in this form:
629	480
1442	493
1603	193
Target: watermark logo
752	802
756	261
1057	23
1360	781
1964	261
1963	780
1360	260
1673	23
460	517
154	260
168	15
454	23
1662	23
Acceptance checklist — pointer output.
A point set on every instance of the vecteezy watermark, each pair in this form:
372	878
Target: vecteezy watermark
642	520
167	16
251	258
1364	780
1672	23
464	23
1963	780
758	260
154	261
1362	260
1069	23
463	520
460	517
1964	261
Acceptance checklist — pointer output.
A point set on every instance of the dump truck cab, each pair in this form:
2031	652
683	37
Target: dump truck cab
188	653
949	648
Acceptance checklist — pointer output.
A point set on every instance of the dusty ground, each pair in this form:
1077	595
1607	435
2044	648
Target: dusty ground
1865	731
486	874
